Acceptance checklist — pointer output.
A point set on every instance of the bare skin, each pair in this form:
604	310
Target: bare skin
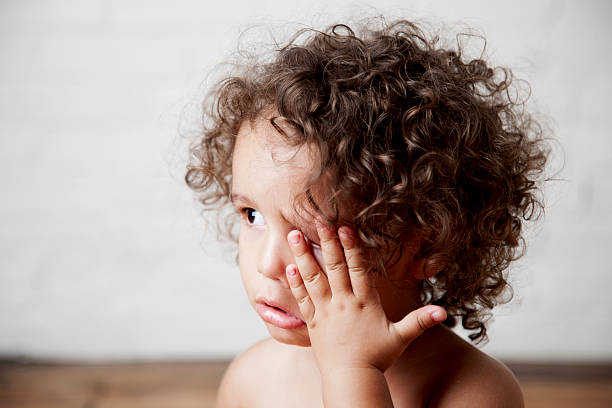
272	374
363	343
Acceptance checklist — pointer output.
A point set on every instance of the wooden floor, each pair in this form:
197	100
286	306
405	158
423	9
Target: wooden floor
191	385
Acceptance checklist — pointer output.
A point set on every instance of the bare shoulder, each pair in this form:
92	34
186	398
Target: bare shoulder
478	380
484	383
245	374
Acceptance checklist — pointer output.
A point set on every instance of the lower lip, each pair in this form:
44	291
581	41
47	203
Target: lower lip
277	317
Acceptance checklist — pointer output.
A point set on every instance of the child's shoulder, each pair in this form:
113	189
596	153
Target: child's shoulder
256	355
468	377
482	382
265	366
456	376
240	371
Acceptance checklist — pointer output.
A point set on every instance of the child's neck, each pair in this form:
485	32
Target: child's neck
399	297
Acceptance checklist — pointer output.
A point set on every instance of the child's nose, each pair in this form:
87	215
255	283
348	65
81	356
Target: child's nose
274	257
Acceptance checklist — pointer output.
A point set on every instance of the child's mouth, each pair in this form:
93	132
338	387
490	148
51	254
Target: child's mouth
277	316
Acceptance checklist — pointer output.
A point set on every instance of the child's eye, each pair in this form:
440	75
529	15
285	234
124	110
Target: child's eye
253	217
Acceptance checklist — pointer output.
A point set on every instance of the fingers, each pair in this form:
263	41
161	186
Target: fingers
300	293
417	321
360	280
334	258
346	271
314	281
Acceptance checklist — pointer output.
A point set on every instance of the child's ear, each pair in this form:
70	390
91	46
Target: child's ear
421	268
427	268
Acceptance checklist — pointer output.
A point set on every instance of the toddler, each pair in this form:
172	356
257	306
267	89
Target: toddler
382	183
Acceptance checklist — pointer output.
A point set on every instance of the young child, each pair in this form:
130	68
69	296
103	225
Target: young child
382	183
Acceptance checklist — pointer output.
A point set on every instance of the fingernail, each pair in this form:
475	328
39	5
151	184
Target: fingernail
291	270
436	315
321	225
294	237
344	233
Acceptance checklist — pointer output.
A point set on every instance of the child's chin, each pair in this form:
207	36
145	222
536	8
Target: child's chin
294	337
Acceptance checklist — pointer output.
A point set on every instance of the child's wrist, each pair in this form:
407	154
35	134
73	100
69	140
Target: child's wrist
355	387
334	373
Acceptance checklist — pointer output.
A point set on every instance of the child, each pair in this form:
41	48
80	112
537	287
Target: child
382	183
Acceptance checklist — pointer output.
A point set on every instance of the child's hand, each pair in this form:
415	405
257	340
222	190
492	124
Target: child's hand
346	322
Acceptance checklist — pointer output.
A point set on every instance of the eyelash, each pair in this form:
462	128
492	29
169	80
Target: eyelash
245	215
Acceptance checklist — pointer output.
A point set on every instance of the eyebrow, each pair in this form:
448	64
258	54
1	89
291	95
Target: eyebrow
235	197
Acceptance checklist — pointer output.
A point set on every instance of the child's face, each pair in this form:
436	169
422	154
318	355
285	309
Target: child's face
266	176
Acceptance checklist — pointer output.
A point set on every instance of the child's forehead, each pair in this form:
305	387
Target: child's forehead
263	166
261	142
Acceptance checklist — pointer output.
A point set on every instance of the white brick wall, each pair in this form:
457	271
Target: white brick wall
101	248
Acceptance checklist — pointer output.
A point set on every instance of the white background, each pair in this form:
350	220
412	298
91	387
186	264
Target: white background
103	255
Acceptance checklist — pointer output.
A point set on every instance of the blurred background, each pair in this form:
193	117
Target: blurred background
104	256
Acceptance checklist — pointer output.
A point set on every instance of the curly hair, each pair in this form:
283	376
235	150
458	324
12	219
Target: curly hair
431	146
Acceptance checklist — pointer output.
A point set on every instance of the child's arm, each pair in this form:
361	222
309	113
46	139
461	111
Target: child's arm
352	339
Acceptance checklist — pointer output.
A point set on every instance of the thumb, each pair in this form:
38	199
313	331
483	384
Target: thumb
416	322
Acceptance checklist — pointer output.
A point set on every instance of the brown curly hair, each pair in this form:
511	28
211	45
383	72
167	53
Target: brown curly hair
430	145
